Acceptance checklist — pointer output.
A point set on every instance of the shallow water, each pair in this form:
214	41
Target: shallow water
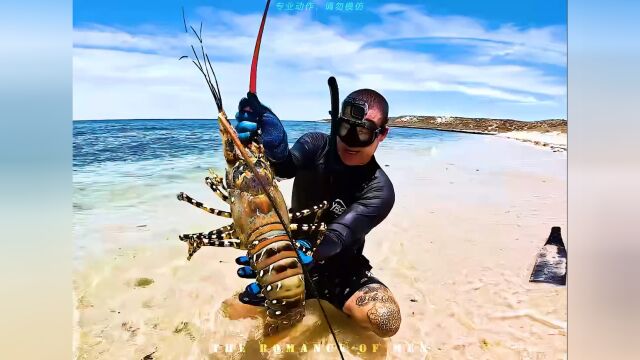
126	174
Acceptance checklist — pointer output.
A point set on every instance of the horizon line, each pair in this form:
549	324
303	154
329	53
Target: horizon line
398	116
137	119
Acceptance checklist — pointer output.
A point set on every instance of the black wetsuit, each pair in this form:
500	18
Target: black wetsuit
359	197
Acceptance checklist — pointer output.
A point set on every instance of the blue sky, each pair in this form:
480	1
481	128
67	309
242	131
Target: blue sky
504	59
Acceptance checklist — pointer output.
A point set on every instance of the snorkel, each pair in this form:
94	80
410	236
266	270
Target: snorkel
335	106
335	114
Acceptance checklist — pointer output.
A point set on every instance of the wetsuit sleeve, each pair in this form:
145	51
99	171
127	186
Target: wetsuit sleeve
363	215
304	153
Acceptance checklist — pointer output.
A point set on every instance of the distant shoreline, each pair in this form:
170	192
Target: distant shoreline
168	119
479	125
551	133
447	130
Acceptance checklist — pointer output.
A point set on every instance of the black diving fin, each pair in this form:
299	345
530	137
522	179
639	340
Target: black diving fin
551	262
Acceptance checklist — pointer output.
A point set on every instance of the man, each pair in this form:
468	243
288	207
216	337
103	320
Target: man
341	169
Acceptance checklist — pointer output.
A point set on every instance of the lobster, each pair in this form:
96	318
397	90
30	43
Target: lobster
257	229
261	224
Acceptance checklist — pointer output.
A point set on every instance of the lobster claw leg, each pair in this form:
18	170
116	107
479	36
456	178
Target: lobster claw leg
224	243
216	184
217	179
216	238
317	208
308	227
188	199
194	245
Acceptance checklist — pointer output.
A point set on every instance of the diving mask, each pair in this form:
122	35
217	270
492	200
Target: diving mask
353	129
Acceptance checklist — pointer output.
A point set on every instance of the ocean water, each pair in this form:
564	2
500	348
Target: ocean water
97	143
126	173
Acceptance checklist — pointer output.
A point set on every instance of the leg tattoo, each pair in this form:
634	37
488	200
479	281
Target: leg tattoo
384	315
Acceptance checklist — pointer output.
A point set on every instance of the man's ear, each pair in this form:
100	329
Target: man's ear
383	133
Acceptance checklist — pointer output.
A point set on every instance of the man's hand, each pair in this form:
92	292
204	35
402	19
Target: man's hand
252	293
328	246
253	118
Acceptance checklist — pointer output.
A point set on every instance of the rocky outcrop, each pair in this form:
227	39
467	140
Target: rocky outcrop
478	125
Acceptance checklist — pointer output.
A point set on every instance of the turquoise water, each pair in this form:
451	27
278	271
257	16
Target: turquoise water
113	157
129	141
126	173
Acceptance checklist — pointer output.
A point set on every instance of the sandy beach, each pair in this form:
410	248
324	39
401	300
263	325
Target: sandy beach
554	140
456	251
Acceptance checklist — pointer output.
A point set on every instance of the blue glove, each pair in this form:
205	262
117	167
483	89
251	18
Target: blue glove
253	118
246	129
252	293
306	247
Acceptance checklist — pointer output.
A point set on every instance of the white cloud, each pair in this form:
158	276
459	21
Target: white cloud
122	74
541	45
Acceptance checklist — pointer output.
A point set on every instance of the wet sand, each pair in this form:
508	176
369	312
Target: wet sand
457	251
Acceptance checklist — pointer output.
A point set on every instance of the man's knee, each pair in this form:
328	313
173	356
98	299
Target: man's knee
374	306
384	319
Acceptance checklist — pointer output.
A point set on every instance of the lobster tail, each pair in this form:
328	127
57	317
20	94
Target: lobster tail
281	277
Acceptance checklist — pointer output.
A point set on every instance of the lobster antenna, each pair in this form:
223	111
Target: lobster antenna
196	33
184	21
205	60
214	90
215	78
256	51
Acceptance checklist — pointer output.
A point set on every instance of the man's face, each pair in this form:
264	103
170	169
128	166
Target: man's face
353	156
